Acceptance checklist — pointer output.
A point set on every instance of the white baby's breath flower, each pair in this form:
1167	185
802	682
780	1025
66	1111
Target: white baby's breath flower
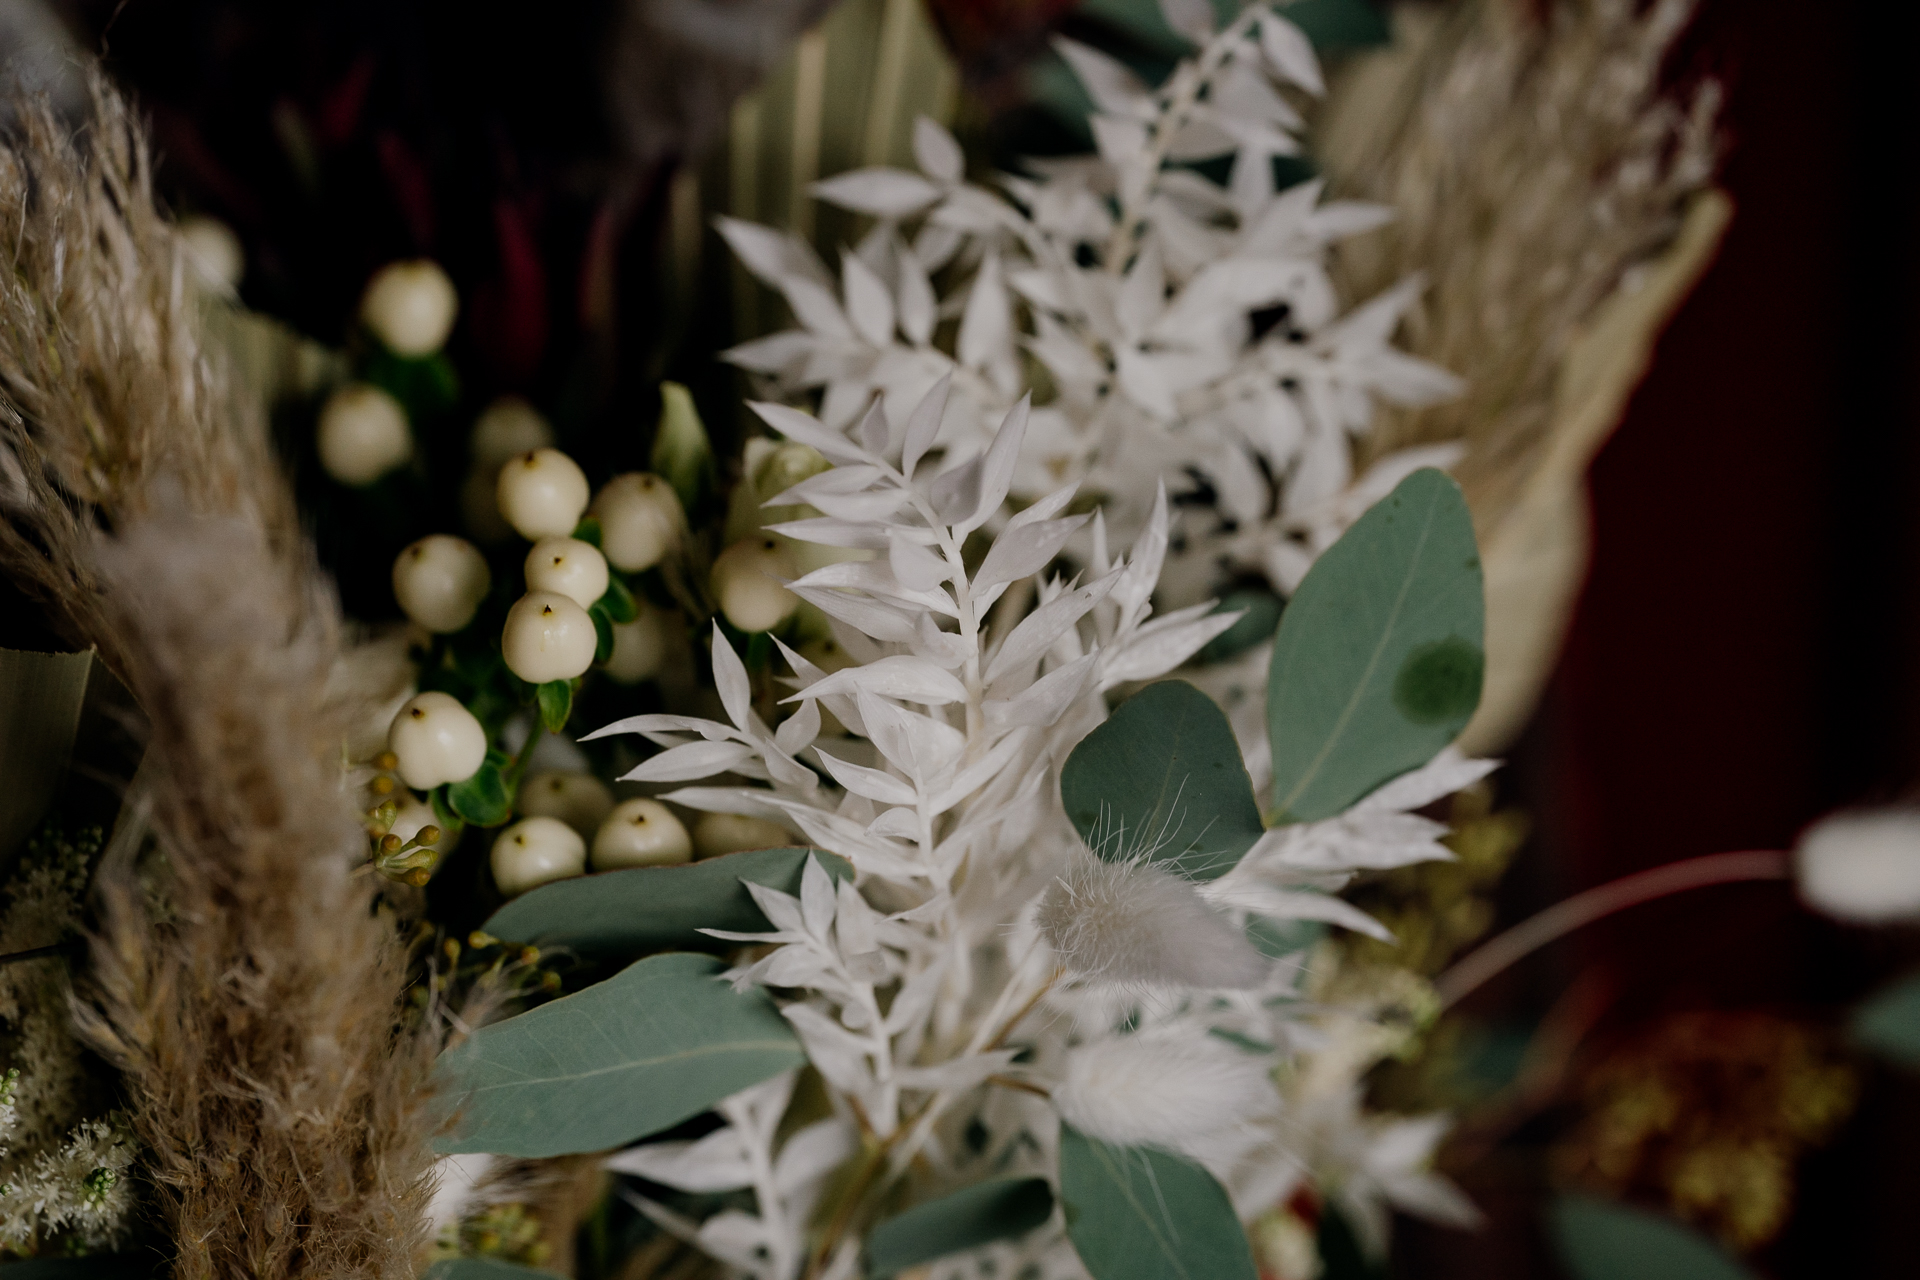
1862	866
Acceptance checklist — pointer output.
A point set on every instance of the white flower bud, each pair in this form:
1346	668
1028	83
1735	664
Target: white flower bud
410	307
537	851
580	800
363	434
505	429
1862	866
568	567
718	833
640	833
542	493
640	520
547	637
746	581
436	740
640	647
214	253
440	581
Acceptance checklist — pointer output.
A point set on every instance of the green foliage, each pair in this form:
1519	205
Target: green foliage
618	602
482	1269
588	530
996	1210
682	455
556	703
1602	1241
1378	661
424	385
1889	1022
602	633
640	909
1276	938
485	799
1164	773
1340	24
657	1043
1134	1213
1259	617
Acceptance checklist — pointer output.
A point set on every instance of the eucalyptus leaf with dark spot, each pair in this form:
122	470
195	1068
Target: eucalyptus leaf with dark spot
1379	658
1162	777
616	913
656	1044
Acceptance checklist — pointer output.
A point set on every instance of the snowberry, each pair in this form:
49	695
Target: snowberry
410	307
507	427
578	799
537	851
718	833
440	581
640	520
547	637
640	833
542	493
214	253
787	466
363	434
436	740
640	647
568	567
412	814
746	581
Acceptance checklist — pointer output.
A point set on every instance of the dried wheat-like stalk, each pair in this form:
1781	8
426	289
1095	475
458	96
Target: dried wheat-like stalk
1533	162
281	1104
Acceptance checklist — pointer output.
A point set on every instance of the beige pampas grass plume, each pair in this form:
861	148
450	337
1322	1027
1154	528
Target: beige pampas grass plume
279	1097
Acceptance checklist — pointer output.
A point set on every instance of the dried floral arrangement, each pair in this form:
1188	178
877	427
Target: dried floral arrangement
829	862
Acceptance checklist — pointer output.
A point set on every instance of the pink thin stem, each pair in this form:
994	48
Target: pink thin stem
1584	908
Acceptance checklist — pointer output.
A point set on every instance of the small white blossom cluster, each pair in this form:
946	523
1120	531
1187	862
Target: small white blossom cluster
1185	327
983	974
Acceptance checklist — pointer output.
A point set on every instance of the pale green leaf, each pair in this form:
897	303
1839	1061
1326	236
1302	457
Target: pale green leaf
648	908
1134	1213
972	1216
656	1044
1602	1241
1163	776
1379	658
1889	1022
682	455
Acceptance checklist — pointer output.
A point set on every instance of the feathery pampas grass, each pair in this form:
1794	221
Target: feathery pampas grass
1533	161
280	1101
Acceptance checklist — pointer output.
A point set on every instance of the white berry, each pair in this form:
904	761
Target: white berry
640	833
214	253
363	434
537	851
505	428
410	307
746	581
578	799
718	833
411	814
640	520
568	567
440	581
640	647
547	637
542	493
436	740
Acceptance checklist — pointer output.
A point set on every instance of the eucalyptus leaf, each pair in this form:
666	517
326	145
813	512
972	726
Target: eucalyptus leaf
483	800
1163	776
1379	660
641	909
1598	1240
1259	616
1888	1022
972	1216
682	455
484	1269
1134	1213
657	1043
556	700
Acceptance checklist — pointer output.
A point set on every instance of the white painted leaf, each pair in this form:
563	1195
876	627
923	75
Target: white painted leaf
775	353
998	465
1039	629
917	305
730	680
815	307
871	783
986	327
1109	82
694	760
936	152
923	426
717	1162
915	566
1044	701
868	301
1291	53
807	429
870	617
798	730
1021	552
902	676
882	192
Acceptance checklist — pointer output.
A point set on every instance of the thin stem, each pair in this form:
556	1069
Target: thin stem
1584	908
38	953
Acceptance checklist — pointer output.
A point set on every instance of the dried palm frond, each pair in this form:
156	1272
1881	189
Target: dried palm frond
1557	198
280	1101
